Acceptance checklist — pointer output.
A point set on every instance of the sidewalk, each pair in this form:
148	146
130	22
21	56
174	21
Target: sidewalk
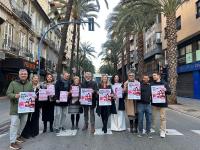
3	97
187	106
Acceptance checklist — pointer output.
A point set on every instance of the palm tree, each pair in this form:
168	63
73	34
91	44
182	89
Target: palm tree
169	8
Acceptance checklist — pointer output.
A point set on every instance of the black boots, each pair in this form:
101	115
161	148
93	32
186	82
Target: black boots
45	127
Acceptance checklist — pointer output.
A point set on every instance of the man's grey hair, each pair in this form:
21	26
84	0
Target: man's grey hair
23	70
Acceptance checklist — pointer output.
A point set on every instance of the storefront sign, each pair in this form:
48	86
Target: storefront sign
189	67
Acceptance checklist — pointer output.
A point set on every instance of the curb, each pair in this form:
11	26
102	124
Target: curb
3	97
183	112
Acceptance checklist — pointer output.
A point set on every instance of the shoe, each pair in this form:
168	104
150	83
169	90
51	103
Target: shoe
72	128
63	128
139	135
92	129
51	129
162	134
105	130
15	146
57	130
76	127
20	140
149	136
152	130
131	130
85	127
135	131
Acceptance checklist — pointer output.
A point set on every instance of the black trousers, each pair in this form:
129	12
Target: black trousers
105	112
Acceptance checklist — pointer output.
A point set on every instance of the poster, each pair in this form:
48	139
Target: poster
63	96
104	97
134	90
50	90
117	89
86	96
43	95
75	91
26	102
158	94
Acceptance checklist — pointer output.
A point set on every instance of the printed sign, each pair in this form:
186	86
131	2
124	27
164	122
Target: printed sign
117	89
43	95
75	91
104	97
158	94
86	96
63	96
134	90
26	102
50	90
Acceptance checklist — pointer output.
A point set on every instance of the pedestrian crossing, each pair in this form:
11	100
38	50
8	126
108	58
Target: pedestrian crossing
99	132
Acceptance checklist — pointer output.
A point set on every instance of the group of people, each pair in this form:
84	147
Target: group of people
54	111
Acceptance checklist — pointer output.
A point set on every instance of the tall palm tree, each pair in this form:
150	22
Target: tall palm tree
169	8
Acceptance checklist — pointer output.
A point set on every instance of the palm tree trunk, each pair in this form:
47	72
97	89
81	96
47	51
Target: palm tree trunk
128	51
63	39
140	54
123	67
171	53
73	48
77	54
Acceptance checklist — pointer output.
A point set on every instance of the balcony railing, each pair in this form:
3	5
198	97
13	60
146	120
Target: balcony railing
26	18
150	53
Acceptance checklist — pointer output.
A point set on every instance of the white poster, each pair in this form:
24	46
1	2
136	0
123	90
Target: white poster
104	97
75	91
117	89
158	94
63	96
50	90
26	103
134	91
43	95
86	96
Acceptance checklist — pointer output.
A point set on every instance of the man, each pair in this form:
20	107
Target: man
88	83
160	108
18	121
144	107
130	104
61	107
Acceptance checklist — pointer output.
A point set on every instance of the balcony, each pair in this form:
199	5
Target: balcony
26	18
11	46
157	50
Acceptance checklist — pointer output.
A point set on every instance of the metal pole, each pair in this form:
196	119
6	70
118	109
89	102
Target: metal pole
41	40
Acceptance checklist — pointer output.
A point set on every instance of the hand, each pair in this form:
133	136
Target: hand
17	95
57	101
165	89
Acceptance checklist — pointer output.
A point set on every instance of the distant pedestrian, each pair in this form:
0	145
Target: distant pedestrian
160	108
18	121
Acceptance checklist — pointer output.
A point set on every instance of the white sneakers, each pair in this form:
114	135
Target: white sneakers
162	134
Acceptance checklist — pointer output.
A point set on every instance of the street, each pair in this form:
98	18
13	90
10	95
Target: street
183	124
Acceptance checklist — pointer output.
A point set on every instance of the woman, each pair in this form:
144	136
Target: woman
105	111
48	105
32	126
130	104
74	105
118	121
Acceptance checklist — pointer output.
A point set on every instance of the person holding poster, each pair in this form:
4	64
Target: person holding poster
118	121
18	121
32	125
62	85
144	107
48	105
130	104
74	104
89	84
104	109
159	108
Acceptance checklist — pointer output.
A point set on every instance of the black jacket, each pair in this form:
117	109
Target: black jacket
167	92
93	85
145	93
61	87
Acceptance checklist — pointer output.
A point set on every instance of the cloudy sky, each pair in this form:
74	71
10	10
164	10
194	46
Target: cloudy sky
97	37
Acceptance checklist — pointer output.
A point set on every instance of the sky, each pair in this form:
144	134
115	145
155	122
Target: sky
98	37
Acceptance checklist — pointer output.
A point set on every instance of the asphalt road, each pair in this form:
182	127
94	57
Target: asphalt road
118	140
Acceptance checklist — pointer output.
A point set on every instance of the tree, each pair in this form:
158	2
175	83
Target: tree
87	65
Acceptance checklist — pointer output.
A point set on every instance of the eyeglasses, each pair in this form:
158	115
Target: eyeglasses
131	75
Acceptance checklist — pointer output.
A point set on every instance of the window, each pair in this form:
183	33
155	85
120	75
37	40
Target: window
178	23
198	44
189	54
198	9
22	38
8	34
182	52
188	49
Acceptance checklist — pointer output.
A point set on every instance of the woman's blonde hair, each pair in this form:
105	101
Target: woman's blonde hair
76	77
104	75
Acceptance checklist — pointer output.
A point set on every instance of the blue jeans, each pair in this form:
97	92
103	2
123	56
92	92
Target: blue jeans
144	109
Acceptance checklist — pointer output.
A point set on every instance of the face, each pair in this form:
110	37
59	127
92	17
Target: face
116	79
145	79
49	78
88	76
131	76
35	80
104	79
156	77
66	76
23	75
76	81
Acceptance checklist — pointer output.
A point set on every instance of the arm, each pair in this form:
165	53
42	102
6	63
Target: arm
168	90
10	92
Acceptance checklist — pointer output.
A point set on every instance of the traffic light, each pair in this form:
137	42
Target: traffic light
91	24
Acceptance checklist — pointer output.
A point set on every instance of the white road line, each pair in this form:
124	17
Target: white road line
196	131
4	134
100	132
173	132
67	133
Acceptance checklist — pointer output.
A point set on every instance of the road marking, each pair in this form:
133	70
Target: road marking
173	132
100	132
4	134
196	131
67	133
